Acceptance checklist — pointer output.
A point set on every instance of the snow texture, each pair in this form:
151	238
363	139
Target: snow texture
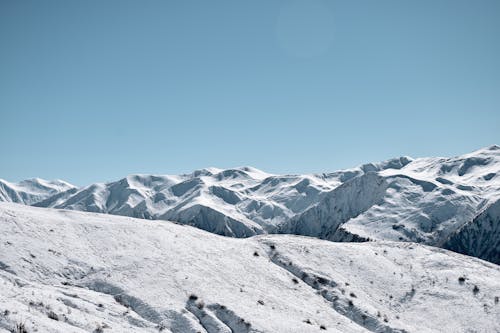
68	271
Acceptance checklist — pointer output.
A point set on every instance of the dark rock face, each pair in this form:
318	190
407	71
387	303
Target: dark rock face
480	237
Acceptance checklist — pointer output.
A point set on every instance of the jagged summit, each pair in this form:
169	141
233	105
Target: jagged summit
492	147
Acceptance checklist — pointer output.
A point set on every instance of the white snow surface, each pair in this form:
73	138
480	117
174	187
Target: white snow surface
92	272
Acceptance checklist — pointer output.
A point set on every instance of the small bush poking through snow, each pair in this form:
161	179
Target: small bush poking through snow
20	328
52	315
193	297
322	327
246	323
255	254
475	290
461	280
261	302
273	247
98	329
496	299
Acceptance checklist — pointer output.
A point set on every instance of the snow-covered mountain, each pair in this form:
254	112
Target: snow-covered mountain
435	201
68	271
237	202
34	190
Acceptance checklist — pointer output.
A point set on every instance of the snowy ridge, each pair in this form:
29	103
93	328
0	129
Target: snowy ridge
425	200
31	191
237	202
67	271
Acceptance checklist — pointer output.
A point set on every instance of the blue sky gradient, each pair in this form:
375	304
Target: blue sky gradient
95	90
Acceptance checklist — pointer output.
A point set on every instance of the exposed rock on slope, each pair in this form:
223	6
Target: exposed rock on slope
480	237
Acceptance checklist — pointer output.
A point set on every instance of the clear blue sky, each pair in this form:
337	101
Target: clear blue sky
95	90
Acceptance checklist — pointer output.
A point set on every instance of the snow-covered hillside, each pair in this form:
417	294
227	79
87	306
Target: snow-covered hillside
425	200
67	271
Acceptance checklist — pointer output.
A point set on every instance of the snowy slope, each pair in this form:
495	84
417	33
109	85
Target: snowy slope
425	200
102	273
34	190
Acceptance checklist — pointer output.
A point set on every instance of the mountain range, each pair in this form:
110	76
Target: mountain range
452	203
